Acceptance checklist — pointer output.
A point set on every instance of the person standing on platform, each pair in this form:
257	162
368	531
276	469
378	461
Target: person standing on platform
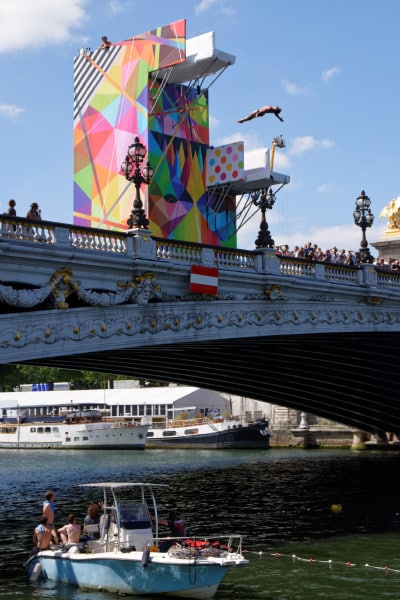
49	508
11	212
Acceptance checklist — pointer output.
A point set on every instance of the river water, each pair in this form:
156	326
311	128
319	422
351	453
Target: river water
280	500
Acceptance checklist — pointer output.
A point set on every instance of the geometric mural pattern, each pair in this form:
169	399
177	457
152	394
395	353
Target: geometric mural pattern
112	108
116	98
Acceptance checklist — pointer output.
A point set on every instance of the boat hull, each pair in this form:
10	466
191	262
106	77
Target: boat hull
127	575
245	438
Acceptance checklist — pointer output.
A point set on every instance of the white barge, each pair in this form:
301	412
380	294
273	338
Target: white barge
79	435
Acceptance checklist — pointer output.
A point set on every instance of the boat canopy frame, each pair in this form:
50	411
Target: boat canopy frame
111	487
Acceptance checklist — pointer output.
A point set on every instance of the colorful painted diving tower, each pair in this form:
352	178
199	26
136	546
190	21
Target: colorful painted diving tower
156	85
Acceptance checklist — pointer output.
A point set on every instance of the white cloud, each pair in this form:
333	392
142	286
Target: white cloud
222	5
10	111
329	73
35	23
282	162
251	141
325	187
117	7
213	121
299	145
293	88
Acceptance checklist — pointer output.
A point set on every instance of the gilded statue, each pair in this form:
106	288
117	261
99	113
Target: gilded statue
392	212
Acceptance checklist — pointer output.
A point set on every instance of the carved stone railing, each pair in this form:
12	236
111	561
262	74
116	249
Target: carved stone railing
243	259
302	267
26	230
175	250
59	235
387	279
190	252
334	272
299	267
97	239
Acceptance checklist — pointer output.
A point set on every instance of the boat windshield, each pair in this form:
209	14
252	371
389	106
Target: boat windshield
135	516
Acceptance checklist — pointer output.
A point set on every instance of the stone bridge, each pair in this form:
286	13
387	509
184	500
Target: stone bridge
317	337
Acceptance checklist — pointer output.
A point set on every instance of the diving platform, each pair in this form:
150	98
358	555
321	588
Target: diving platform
203	59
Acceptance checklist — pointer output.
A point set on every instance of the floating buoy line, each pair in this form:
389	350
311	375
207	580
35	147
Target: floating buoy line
329	562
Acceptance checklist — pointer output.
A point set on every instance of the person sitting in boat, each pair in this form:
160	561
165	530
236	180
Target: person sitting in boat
49	508
92	518
176	527
71	532
43	534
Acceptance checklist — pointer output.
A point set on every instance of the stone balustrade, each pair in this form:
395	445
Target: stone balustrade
62	236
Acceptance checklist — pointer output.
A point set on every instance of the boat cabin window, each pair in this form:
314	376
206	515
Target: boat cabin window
141	409
150	433
40	429
9	429
134	411
169	433
191	431
33	429
148	410
162	410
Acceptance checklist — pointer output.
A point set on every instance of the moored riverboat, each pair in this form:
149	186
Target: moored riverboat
77	430
209	433
173	417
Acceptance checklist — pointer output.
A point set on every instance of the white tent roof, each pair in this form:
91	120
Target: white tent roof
148	396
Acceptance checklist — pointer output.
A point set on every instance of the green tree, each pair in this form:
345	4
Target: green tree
8	377
11	376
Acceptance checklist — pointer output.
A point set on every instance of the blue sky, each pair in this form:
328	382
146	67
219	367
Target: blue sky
332	67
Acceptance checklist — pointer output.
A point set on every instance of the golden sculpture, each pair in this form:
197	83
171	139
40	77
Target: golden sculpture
392	212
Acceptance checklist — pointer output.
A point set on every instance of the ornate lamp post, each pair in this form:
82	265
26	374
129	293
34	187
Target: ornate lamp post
364	218
263	199
131	168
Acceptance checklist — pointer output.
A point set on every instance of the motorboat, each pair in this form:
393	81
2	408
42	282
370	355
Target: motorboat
129	557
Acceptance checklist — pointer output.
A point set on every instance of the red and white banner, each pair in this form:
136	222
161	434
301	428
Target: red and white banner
204	280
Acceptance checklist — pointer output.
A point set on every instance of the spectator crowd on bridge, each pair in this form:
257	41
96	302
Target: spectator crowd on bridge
333	255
